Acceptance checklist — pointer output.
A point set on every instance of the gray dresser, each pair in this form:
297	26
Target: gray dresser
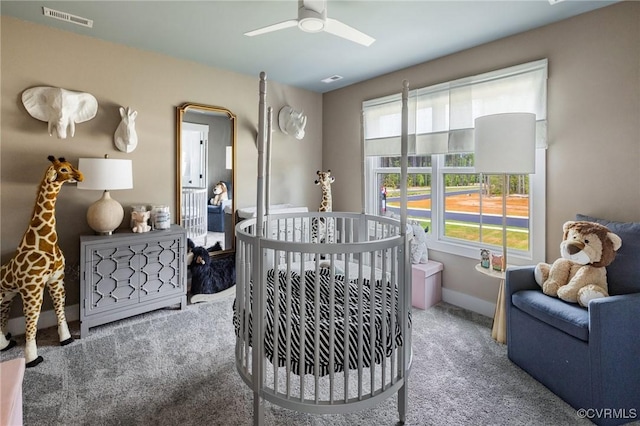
127	274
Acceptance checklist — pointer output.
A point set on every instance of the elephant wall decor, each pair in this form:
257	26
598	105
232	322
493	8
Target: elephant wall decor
60	108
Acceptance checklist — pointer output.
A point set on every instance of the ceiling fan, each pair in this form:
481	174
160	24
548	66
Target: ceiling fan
312	18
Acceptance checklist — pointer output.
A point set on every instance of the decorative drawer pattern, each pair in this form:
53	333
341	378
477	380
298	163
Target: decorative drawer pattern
127	274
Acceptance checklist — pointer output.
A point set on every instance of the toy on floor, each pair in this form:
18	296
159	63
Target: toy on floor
38	263
210	275
191	245
580	275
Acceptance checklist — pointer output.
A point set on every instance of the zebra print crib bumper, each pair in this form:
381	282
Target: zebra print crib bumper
357	321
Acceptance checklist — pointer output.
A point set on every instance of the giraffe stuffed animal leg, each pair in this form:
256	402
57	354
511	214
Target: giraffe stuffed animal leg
57	293
32	303
5	306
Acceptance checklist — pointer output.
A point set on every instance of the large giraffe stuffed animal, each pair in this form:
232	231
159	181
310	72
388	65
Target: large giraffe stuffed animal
320	232
38	262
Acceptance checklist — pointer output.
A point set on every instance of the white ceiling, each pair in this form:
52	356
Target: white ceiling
211	32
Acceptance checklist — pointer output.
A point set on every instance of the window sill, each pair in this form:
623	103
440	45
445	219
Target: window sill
473	252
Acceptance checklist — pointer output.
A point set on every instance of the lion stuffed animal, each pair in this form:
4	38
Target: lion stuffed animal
220	194
580	274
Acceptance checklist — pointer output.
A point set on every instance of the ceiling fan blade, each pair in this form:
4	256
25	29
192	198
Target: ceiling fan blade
339	29
274	27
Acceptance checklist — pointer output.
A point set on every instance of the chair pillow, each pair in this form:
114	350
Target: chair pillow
623	275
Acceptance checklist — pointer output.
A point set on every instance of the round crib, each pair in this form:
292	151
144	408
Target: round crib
323	328
322	321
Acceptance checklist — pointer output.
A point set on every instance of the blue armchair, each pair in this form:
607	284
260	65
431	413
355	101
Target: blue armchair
215	214
589	358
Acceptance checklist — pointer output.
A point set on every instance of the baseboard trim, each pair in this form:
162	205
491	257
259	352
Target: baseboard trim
471	303
17	326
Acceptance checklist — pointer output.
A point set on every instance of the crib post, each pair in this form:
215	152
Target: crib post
259	302
403	259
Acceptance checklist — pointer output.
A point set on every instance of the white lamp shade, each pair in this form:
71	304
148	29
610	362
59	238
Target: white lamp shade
105	174
505	143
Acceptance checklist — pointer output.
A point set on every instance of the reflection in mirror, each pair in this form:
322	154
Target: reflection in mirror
205	174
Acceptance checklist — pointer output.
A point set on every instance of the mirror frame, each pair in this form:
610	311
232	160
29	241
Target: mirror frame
180	112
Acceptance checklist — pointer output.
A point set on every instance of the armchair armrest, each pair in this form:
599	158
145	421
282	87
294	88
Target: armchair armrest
616	319
614	347
519	278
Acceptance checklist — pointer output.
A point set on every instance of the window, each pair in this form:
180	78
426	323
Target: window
461	209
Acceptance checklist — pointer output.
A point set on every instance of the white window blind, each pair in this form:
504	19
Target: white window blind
441	117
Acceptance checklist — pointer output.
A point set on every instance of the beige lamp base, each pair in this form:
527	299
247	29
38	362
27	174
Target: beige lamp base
105	215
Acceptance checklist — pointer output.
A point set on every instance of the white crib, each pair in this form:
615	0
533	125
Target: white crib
322	327
194	213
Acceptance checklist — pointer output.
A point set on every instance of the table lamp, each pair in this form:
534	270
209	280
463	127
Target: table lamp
105	174
505	145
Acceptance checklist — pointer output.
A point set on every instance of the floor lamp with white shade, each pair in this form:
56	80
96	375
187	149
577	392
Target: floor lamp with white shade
505	145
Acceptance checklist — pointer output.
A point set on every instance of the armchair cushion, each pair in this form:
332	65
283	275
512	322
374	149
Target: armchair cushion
571	319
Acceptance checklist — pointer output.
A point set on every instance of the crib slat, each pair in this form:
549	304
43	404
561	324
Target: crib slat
360	327
332	328
276	323
289	314
393	315
372	322
386	282
316	319
347	326
303	331
247	304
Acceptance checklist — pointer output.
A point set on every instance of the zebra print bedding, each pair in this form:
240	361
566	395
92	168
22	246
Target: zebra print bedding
356	305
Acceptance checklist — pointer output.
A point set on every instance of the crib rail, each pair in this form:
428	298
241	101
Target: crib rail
322	327
194	213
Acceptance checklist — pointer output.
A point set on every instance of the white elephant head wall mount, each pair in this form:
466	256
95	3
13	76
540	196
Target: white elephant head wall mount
61	108
292	122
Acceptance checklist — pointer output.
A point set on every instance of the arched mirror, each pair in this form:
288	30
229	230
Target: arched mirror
205	151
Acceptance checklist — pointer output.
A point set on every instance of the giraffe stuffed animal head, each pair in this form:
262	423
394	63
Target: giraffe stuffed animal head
62	171
325	180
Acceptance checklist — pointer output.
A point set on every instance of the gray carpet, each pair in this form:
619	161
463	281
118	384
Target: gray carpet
173	367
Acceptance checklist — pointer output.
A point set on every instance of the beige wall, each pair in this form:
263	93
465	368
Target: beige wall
593	160
152	84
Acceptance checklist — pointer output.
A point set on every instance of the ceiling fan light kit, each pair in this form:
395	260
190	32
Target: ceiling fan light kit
312	18
311	21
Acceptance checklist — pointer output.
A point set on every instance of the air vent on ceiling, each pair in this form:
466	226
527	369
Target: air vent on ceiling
67	17
332	79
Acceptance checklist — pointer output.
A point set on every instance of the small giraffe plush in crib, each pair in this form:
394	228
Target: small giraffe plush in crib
323	228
